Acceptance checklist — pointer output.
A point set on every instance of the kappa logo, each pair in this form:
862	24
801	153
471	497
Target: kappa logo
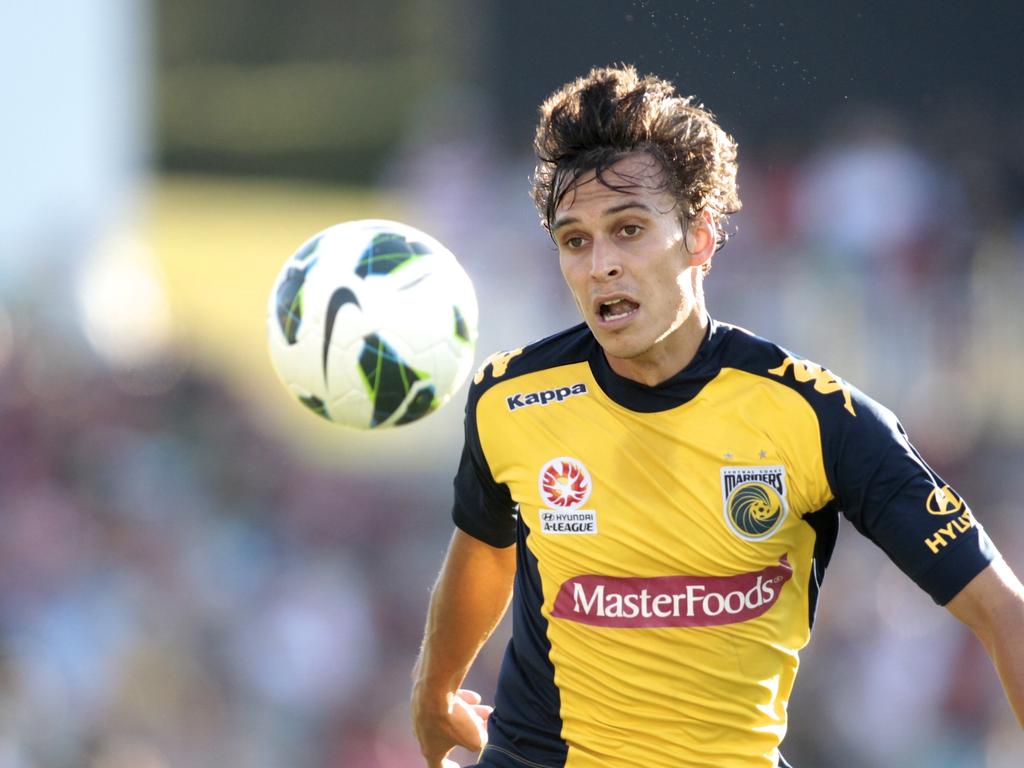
544	396
754	499
943	501
498	363
824	380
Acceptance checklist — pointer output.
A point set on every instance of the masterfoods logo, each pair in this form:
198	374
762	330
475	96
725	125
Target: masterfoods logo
671	601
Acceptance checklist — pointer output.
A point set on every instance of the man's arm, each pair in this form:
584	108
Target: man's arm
992	605
467	602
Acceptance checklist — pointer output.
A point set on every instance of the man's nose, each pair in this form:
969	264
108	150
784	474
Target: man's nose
605	260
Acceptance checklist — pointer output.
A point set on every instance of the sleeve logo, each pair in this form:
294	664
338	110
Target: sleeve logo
943	501
947	534
824	380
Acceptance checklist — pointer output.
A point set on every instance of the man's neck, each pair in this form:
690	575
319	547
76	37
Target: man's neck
668	356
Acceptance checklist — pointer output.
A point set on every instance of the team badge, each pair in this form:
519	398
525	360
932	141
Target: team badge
754	499
565	485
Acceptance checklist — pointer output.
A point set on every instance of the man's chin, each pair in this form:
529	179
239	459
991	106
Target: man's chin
618	346
625	342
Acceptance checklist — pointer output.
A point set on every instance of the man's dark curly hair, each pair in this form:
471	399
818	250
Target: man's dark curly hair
595	121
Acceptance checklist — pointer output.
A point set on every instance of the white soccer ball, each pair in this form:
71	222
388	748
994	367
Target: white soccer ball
372	324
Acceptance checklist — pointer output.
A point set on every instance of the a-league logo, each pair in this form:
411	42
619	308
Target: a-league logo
564	483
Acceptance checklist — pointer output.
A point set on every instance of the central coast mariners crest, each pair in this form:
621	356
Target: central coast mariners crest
755	500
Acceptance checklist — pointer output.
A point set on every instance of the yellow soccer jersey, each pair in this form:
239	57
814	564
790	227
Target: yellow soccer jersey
672	539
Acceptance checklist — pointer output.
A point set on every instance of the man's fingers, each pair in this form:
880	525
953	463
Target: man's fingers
464	725
470	726
468	696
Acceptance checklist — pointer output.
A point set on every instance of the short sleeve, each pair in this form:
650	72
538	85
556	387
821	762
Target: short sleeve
483	508
893	497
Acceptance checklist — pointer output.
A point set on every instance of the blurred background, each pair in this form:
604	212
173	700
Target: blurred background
196	572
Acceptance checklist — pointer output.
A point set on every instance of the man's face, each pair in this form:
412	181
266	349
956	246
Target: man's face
624	258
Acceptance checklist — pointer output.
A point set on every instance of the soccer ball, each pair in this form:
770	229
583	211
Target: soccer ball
372	324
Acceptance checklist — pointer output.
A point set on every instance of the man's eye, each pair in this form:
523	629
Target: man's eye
574	242
631	230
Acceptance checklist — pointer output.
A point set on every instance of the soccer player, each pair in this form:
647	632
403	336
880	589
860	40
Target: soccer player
663	489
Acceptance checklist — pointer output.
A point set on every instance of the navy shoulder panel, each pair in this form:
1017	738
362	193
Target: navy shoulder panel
822	389
572	345
879	480
855	430
483	507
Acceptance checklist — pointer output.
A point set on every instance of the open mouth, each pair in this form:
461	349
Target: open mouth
617	309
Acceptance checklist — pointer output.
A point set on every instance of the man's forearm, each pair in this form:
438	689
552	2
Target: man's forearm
1009	663
470	597
1005	645
468	601
992	605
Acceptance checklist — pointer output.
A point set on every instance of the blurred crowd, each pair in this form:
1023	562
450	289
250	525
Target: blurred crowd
179	588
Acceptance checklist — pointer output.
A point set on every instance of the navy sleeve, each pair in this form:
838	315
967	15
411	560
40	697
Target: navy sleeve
893	497
483	508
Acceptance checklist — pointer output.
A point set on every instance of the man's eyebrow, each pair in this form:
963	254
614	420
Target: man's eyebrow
565	220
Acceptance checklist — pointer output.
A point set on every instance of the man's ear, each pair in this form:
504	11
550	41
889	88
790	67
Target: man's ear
701	238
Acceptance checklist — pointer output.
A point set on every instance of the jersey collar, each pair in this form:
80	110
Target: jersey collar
671	393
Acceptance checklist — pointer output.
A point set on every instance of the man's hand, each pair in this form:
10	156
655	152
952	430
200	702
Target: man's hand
461	722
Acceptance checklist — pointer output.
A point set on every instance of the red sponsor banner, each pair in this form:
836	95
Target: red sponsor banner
671	601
